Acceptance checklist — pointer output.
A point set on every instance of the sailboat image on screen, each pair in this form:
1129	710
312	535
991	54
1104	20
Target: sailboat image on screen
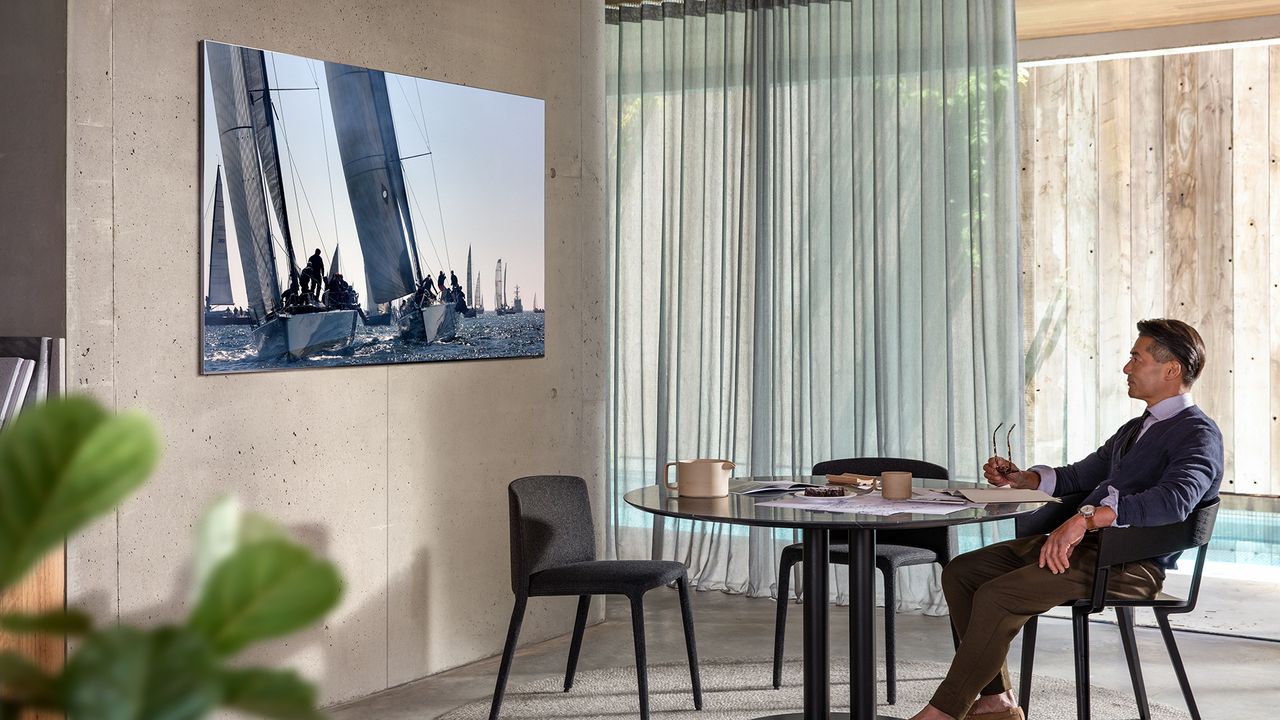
293	323
219	288
371	163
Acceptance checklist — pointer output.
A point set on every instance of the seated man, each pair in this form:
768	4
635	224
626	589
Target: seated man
1154	471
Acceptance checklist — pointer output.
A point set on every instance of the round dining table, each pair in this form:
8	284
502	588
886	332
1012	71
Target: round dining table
815	526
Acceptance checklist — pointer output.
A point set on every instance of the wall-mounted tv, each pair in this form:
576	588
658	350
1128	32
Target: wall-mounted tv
352	216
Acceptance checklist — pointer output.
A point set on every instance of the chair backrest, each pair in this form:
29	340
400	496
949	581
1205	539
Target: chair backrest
942	541
1121	545
551	525
877	465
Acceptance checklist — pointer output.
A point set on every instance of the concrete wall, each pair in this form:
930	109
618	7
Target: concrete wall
411	506
33	167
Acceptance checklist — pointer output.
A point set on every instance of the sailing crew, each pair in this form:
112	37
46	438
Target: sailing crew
453	280
290	296
313	274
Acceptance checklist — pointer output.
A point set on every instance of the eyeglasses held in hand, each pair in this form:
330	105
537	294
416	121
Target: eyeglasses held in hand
1008	447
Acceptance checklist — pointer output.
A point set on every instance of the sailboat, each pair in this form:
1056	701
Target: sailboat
470	311
338	292
500	289
535	305
379	201
478	306
246	127
219	271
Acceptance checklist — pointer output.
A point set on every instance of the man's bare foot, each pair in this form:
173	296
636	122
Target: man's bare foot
931	713
993	703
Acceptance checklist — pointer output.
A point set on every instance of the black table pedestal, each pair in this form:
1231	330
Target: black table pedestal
862	629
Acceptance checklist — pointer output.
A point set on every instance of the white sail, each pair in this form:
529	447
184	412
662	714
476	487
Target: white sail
219	270
244	176
498	278
264	133
371	165
470	297
334	267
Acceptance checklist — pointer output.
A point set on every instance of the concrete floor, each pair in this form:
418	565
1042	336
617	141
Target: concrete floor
1232	678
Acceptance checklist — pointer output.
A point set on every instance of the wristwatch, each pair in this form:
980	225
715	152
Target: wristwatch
1086	511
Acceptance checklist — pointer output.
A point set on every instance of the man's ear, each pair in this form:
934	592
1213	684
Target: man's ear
1173	371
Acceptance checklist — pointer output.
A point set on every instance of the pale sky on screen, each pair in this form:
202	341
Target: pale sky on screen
488	155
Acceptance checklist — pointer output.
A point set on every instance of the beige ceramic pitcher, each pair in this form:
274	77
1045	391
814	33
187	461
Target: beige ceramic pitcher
699	478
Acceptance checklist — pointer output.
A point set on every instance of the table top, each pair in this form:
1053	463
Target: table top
745	509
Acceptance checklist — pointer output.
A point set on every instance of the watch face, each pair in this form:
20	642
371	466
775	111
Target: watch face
1086	510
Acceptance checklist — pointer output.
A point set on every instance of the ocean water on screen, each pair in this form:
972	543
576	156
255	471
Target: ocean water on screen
228	348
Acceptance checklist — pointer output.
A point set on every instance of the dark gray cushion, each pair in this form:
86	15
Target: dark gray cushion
605	577
551	524
891	555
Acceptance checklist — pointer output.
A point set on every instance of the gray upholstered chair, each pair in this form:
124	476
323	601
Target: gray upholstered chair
553	552
894	549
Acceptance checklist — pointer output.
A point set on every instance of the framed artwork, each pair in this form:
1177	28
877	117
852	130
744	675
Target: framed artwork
352	216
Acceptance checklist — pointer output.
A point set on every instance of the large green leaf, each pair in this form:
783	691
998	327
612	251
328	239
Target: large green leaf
278	694
225	528
62	464
131	674
264	590
21	680
57	622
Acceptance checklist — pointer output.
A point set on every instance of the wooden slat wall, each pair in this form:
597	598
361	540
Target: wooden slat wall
1152	183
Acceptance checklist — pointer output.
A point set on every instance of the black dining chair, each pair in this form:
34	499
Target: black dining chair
553	553
894	549
1117	546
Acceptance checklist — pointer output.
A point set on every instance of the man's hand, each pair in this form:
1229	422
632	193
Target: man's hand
1001	472
1056	551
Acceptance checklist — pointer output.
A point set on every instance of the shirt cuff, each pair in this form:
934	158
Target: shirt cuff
1112	500
1048	478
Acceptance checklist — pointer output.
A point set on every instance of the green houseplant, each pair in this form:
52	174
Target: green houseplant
65	462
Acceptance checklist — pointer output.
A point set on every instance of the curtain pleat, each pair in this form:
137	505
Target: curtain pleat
812	251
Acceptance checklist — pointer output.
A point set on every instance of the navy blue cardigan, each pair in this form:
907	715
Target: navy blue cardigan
1172	468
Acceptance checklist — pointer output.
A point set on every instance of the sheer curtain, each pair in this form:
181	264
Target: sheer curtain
812	250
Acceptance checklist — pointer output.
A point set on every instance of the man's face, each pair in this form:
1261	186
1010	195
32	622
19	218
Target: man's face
1148	377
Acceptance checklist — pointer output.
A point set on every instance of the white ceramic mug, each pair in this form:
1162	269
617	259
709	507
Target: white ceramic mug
895	485
699	478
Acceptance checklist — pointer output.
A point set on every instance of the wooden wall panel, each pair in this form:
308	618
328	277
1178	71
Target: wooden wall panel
1048	355
1027	235
1210	307
1147	204
1082	262
1250	199
1154	182
1273	141
1115	232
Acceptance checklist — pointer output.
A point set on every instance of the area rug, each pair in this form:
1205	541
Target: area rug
733	690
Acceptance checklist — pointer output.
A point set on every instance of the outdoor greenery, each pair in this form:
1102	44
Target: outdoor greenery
66	462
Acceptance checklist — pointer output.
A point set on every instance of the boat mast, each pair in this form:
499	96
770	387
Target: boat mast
263	114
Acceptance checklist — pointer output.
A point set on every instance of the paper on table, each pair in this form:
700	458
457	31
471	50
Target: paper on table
761	487
868	505
1004	495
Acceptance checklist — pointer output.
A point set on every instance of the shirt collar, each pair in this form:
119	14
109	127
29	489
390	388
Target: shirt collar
1170	406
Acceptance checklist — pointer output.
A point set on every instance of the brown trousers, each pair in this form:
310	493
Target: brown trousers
994	591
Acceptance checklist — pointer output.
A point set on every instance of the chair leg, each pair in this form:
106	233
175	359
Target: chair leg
686	616
508	651
1124	617
1176	657
642	673
1028	664
890	659
780	623
579	626
1080	637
